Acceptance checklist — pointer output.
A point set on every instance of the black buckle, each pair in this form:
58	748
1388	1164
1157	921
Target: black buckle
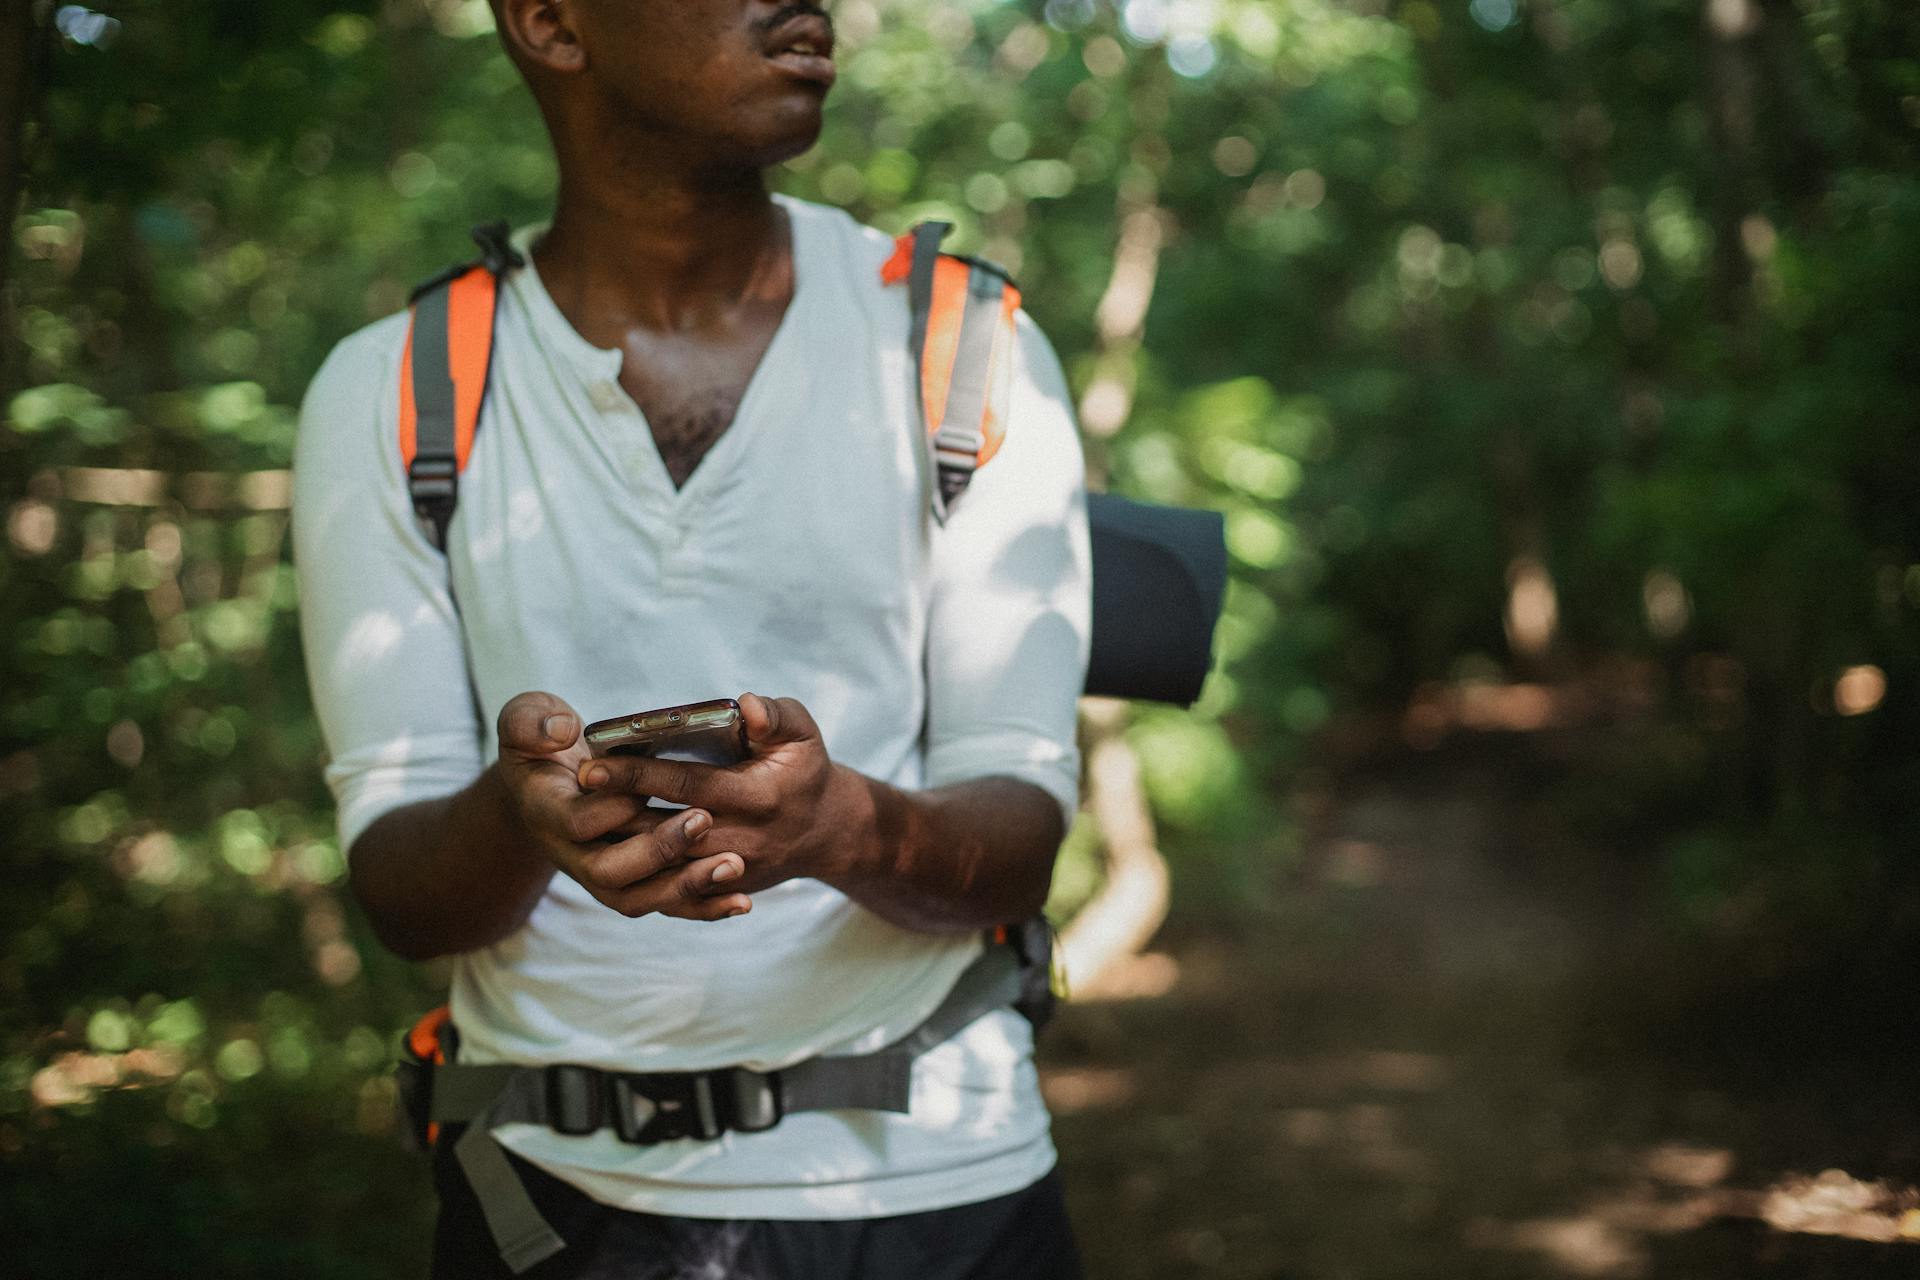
1033	942
659	1108
497	253
576	1102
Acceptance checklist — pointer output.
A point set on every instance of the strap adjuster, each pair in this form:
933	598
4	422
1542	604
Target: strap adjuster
751	1100
576	1099
431	477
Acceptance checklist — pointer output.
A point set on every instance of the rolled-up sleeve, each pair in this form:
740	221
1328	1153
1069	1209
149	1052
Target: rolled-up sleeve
1010	610
385	659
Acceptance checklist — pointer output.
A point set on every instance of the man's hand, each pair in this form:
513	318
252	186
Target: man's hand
633	858
775	812
949	859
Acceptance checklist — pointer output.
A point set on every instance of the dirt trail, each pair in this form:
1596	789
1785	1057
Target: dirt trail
1449	1054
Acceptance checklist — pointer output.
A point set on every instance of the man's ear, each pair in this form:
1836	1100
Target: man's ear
540	34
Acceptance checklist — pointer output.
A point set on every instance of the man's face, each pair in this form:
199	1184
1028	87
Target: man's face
742	81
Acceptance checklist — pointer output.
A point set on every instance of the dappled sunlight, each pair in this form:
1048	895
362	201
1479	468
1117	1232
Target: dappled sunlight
1835	1203
1436	710
372	638
75	1078
1618	690
1682	1191
1132	977
1533	607
1070	1090
1354	864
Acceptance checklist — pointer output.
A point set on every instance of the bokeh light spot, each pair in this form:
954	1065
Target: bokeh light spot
1859	690
1494	15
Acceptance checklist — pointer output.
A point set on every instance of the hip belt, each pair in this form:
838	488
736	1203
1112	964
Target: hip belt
652	1107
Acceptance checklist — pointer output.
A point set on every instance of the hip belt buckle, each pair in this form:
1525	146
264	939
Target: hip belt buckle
659	1108
698	1104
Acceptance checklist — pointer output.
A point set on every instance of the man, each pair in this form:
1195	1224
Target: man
696	472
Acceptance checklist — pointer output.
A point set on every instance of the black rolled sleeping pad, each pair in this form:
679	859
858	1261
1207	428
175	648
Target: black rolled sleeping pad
1159	576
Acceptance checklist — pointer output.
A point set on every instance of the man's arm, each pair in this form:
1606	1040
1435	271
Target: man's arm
964	856
407	864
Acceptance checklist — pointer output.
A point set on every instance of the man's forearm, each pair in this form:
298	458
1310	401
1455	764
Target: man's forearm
448	875
952	858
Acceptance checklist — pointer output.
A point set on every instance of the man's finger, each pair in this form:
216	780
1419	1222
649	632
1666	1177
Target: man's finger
635	859
646	817
689	892
709	876
537	724
704	786
546	795
553	806
598	815
772	720
737	904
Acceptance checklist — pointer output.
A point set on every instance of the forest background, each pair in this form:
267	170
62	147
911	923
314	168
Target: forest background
1553	362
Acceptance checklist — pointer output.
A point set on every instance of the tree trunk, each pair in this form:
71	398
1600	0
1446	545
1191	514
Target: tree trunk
1115	926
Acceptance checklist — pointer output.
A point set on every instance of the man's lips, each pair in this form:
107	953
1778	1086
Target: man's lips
803	46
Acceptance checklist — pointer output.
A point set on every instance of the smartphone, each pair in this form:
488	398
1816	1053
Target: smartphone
707	732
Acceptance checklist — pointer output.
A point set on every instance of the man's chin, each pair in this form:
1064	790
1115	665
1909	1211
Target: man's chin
785	144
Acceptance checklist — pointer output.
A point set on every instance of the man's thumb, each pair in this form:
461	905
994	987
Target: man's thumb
537	723
772	720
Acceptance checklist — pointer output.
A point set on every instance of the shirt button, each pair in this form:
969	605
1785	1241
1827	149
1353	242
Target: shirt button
607	397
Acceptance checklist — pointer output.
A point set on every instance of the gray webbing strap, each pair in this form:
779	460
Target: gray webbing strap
463	1092
432	377
879	1081
523	1237
882	1080
926	256
991	982
956	444
433	476
926	252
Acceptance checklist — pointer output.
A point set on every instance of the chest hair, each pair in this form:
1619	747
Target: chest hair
686	430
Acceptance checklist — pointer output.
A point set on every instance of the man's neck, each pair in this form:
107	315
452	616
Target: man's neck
659	252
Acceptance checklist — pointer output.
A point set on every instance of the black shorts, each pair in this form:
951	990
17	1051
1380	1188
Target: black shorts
1022	1236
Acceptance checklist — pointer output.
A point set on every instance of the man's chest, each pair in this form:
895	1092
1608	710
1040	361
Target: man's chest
802	531
690	386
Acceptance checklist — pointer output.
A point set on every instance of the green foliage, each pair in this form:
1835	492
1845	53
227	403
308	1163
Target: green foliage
1602	286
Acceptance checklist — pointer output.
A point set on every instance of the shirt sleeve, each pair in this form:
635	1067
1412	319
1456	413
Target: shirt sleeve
385	659
1009	618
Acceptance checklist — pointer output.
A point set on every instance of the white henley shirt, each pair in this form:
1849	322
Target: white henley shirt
799	559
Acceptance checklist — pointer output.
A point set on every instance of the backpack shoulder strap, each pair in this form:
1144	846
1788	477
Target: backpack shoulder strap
443	377
963	337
